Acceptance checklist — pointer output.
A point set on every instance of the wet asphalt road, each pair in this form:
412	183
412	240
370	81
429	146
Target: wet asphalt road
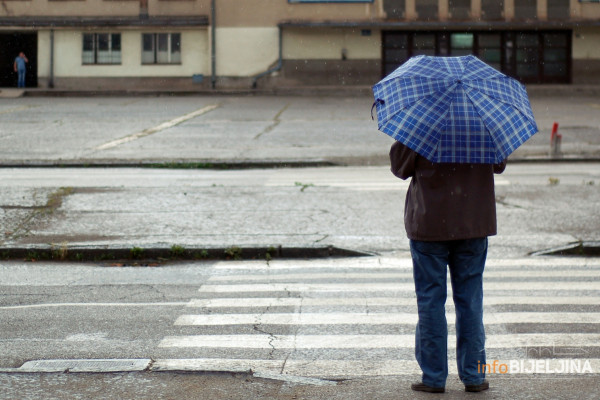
52	311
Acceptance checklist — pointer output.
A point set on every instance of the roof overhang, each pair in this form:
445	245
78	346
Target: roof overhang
445	25
104	22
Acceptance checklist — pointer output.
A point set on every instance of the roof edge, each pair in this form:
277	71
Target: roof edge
442	25
65	22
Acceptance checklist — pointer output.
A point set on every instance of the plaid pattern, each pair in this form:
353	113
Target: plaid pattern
454	110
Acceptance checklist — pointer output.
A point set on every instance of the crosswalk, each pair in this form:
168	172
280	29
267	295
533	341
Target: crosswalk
342	318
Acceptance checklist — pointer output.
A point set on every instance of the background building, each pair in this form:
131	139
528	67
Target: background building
121	44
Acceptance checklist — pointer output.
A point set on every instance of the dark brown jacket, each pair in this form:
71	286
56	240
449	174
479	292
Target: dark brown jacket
446	201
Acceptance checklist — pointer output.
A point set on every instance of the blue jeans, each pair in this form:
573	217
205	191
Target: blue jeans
466	260
21	80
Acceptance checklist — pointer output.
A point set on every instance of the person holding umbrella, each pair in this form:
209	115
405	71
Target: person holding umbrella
455	121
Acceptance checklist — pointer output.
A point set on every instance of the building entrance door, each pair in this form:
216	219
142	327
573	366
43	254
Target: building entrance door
11	44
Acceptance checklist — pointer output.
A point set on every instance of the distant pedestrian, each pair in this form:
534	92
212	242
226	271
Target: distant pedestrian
21	68
450	211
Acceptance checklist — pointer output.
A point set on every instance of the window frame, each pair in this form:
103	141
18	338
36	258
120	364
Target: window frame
173	51
114	55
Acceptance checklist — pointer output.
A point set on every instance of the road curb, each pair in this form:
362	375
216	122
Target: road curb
243	165
159	255
330	91
170	164
101	366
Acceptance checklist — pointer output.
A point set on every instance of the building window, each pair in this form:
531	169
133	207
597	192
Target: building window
459	9
427	9
526	9
556	54
424	43
492	9
394	9
461	44
395	50
161	48
559	9
101	48
490	48
527	54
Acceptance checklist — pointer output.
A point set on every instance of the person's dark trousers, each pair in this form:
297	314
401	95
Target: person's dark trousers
466	261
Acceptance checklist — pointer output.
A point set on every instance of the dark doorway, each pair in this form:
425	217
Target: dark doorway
11	44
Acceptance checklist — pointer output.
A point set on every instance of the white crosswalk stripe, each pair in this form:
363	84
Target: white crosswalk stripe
385	287
325	318
377	318
371	341
253	302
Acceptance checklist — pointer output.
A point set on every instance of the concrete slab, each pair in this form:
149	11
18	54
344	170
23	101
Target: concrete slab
11	93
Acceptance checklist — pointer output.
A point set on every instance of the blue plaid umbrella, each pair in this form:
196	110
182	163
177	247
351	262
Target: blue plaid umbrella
454	110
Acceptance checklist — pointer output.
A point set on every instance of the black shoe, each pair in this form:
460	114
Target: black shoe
421	387
485	385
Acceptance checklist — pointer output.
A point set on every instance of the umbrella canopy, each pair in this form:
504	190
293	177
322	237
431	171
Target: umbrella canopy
454	110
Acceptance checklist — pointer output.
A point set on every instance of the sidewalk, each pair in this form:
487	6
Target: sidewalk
63	212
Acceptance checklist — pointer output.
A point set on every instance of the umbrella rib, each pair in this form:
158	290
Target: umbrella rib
498	145
518	105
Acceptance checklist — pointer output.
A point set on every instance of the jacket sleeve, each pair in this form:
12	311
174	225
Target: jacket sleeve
403	161
499	168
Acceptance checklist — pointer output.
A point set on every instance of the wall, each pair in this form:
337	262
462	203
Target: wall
178	8
83	8
244	51
271	12
68	50
328	43
586	55
331	56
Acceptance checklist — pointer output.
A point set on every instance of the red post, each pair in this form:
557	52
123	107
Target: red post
555	132
555	139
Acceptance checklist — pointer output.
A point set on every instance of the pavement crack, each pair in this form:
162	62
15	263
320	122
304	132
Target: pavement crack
323	238
258	328
274	124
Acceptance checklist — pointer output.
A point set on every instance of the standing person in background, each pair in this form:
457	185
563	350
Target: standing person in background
21	68
449	213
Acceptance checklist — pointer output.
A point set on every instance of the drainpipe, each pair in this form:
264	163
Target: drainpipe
276	67
51	78
213	55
